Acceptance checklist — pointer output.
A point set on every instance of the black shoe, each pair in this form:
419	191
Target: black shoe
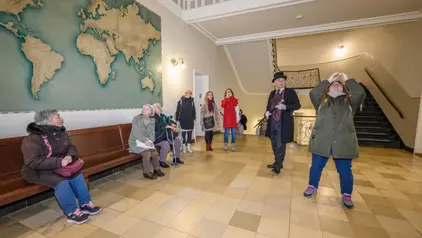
270	166
151	176
179	161
159	173
77	217
164	165
276	171
90	209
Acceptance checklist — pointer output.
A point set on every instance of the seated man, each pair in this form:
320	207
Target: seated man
164	136
141	142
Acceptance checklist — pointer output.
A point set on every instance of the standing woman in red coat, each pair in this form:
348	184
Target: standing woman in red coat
229	104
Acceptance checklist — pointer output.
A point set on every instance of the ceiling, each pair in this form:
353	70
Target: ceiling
237	21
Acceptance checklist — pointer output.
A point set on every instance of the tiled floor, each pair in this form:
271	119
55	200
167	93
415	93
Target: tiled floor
233	195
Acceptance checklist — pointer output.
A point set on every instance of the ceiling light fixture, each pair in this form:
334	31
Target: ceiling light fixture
341	50
299	17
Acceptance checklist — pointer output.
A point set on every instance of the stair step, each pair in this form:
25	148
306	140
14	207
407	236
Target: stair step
368	117
394	145
376	140
360	128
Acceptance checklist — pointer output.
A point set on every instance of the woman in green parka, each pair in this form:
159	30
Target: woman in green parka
336	101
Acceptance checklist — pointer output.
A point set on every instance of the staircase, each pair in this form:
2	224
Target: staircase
372	126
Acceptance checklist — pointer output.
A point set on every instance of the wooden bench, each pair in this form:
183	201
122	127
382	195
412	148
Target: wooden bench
101	149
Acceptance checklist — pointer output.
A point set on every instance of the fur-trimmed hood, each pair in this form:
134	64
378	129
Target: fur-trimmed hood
33	128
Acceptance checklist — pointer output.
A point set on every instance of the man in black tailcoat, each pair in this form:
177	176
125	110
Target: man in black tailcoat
282	102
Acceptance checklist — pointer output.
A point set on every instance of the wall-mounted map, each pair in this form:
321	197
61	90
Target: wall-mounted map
78	54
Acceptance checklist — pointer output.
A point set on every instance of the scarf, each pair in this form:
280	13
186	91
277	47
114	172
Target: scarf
336	94
210	105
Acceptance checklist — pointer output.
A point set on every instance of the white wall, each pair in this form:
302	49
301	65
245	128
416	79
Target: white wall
178	40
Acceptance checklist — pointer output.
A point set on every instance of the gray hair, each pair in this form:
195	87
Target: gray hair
150	107
44	117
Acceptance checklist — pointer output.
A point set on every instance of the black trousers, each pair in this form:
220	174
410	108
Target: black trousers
279	148
187	137
209	135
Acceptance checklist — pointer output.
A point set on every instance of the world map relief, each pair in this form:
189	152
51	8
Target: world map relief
108	29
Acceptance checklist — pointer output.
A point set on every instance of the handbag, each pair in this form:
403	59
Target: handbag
209	122
68	170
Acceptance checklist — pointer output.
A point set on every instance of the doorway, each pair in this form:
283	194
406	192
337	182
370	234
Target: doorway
200	88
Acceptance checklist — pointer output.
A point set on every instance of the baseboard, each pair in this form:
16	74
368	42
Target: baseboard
409	149
418	154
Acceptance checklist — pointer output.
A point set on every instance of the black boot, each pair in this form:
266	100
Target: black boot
164	164
150	176
270	166
179	161
276	171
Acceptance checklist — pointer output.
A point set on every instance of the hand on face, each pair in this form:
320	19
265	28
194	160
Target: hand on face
333	77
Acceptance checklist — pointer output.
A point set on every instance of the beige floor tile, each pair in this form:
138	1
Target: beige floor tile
52	228
276	213
41	218
170	233
6	221
142	194
251	207
27	212
185	222
157	199
369	232
245	221
188	193
304	219
198	208
414	217
32	234
83	230
337	227
121	224
102	219
144	229
304	232
235	232
397	226
237	193
209	229
124	204
261	236
104	198
207	197
227	202
273	228
362	219
332	212
162	216
330	235
278	200
220	214
141	210
100	233
176	203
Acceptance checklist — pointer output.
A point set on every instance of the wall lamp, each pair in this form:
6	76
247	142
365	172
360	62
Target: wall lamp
178	63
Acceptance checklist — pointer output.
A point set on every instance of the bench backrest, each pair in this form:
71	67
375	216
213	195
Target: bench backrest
11	158
125	129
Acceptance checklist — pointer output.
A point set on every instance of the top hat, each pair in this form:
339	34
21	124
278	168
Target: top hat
279	75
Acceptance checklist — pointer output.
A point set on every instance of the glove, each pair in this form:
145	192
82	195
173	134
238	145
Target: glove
281	107
267	114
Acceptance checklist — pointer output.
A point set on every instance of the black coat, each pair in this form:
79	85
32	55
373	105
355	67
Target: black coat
186	113
287	121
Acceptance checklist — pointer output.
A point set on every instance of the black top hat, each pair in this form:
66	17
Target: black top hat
279	75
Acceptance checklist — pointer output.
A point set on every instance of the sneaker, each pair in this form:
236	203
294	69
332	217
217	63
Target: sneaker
179	161
347	201
77	217
164	165
226	147
184	149
311	190
90	209
233	148
159	173
189	149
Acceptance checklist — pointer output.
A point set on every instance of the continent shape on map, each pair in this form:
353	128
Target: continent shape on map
45	61
116	30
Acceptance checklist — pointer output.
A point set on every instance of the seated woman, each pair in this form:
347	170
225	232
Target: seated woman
46	150
141	142
163	138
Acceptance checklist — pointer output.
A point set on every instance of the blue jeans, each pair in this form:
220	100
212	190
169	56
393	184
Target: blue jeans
226	135
67	190
344	168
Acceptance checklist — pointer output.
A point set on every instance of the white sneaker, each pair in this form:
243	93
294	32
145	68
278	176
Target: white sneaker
184	149
189	149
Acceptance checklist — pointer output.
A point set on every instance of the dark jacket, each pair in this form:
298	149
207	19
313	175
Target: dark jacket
243	121
161	132
186	113
334	130
287	122
38	168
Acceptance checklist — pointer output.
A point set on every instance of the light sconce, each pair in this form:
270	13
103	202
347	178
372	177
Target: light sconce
341	50
178	63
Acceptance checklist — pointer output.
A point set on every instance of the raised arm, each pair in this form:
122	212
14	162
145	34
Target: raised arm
316	93
358	94
234	101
